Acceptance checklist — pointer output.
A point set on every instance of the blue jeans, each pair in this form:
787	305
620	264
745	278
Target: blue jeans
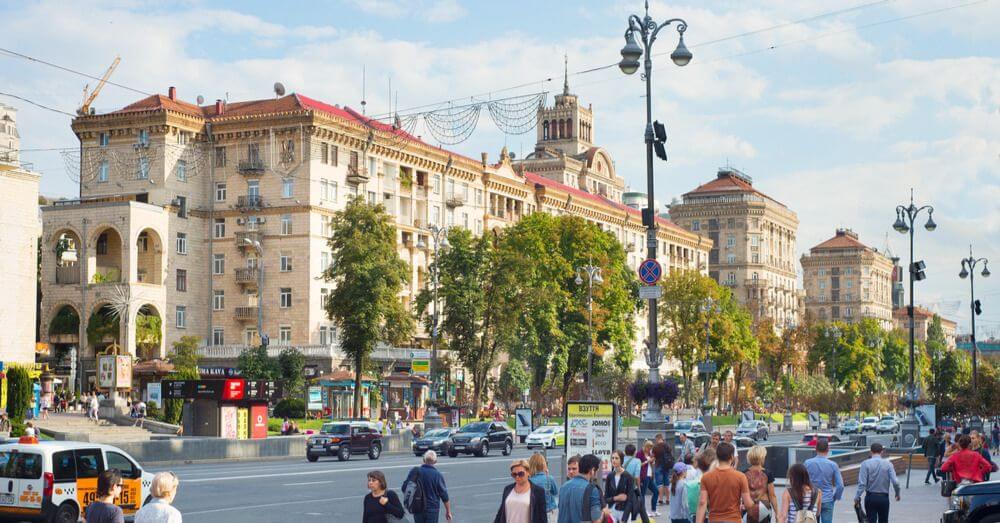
649	485
826	512
428	516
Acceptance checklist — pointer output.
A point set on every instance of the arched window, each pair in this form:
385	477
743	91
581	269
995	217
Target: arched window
545	130
569	128
562	129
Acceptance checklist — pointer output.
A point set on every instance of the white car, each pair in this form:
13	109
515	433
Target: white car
548	436
54	481
869	423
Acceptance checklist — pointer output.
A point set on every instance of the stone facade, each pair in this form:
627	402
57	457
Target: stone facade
19	244
10	140
753	239
845	280
921	320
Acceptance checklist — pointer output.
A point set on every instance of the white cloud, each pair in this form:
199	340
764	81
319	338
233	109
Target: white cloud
434	11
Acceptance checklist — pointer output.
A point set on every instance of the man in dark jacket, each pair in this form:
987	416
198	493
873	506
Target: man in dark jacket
932	446
521	486
435	491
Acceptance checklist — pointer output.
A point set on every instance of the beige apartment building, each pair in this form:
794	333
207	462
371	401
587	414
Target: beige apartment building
846	280
921	321
19	243
753	242
190	206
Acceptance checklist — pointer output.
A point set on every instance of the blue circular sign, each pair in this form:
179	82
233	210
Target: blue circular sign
650	271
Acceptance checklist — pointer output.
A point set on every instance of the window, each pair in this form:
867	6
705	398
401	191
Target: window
450	191
218	299
324	153
755	257
253	223
253	152
354	160
822	285
732	278
142	243
479	196
324	260
847	270
220	228
285	262
324	335
371	198
143	170
465	220
89	463
181	170
64	466
284	335
182	207
754	240
220	192
220	156
849	283
333	155
324	295
103	139
730	258
286	224
102	171
696	225
180	317
218	336
730	240
287	187
143	137
253	188
123	464
437	184
218	264
182	280
182	243
731	223
822	272
435	215
286	297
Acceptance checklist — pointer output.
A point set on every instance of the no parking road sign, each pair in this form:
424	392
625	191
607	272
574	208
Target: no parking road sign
650	271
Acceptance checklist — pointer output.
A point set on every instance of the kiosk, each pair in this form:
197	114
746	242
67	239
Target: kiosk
232	408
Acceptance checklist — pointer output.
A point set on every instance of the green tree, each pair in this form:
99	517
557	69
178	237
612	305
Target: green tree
369	275
255	364
682	320
514	380
184	356
18	398
290	365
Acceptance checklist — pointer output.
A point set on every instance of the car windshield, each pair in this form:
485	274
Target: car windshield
475	427
437	433
748	425
871	420
683	425
888	418
547	430
851	422
342	429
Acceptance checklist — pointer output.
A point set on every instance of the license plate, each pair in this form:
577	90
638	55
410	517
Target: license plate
421	447
318	447
458	447
6	499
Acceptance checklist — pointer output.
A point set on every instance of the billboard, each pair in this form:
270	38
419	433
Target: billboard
228	421
106	371
590	428
154	393
927	417
258	421
522	422
315	399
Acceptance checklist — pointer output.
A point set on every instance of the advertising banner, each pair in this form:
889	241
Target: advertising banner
522	423
154	393
243	423
421	367
228	421
315	399
123	371
106	371
258	421
590	428
927	417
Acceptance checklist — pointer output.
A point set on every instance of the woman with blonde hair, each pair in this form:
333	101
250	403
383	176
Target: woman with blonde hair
159	510
522	501
538	470
761	483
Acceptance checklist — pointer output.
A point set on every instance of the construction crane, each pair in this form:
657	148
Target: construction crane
89	98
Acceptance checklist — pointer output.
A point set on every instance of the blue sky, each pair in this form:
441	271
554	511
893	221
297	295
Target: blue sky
838	116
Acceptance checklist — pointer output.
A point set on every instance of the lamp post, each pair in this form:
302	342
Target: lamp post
260	286
593	274
906	216
647	29
834	332
706	366
787	421
968	264
439	235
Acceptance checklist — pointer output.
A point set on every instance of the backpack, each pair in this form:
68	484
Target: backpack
758	485
585	502
693	495
413	492
806	515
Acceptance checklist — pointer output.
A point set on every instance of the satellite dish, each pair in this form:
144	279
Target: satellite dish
201	99
279	89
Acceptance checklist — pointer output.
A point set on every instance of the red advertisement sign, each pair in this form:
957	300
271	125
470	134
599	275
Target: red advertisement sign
258	421
233	390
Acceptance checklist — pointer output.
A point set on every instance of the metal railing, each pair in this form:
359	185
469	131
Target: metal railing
250	201
253	166
246	275
273	350
245	313
68	274
242	236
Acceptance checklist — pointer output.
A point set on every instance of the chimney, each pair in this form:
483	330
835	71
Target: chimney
485	158
172	93
220	107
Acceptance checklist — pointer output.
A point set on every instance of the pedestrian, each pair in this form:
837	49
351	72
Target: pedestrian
95	407
664	456
572	467
712	443
435	490
618	487
380	502
46	402
140	413
633	466
159	509
30	430
824	475
692	486
981	445
679	511
646	457
995	433
966	465
799	496
4	423
931	448
286	426
522	501
578	496
722	489
875	478
761	483
539	470
103	509
687	447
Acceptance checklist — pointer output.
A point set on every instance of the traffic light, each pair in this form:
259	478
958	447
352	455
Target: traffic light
660	136
978	307
917	269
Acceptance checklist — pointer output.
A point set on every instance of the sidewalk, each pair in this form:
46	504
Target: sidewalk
920	503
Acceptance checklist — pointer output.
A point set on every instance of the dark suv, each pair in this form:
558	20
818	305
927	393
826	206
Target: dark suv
974	503
480	437
343	438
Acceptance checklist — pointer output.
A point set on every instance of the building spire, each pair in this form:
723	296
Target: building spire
566	75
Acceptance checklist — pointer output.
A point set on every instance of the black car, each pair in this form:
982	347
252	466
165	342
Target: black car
343	438
480	437
435	439
974	503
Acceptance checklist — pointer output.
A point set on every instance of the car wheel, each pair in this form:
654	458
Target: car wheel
344	454
507	448
551	444
67	513
484	450
312	458
452	453
375	451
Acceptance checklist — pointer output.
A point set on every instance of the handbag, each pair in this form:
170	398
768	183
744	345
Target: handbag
947	487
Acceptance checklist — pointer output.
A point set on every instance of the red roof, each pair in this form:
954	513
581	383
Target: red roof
158	101
842	240
919	312
727	182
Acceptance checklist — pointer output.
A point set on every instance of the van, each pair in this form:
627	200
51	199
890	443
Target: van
54	481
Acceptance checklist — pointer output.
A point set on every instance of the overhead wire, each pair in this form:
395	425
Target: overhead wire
36	104
69	70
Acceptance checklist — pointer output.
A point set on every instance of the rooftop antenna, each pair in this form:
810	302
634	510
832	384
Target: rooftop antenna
364	72
279	89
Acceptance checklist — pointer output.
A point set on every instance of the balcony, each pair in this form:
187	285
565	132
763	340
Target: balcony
234	351
251	167
247	275
455	200
250	202
252	236
68	275
356	175
245	313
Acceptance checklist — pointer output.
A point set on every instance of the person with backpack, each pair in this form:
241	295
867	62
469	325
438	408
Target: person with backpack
875	477
380	502
522	501
539	470
801	502
633	466
664	456
424	491
579	498
825	477
679	508
723	489
692	482
761	484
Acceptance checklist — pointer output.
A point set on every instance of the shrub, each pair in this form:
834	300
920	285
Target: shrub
290	408
18	398
153	411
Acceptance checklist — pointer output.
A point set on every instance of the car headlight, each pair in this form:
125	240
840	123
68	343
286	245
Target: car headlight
960	503
475	439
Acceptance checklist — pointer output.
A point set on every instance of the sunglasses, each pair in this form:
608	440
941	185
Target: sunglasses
518	474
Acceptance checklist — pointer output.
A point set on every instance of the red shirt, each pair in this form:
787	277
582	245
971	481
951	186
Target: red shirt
967	464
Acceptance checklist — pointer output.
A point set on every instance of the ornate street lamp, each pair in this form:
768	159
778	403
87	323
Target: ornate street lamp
968	264
593	274
440	237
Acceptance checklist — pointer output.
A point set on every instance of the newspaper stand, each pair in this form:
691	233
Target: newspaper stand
230	408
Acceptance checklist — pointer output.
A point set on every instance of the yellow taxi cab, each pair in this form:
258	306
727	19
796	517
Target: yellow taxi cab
54	481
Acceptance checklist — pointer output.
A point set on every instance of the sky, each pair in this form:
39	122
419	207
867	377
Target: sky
836	108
